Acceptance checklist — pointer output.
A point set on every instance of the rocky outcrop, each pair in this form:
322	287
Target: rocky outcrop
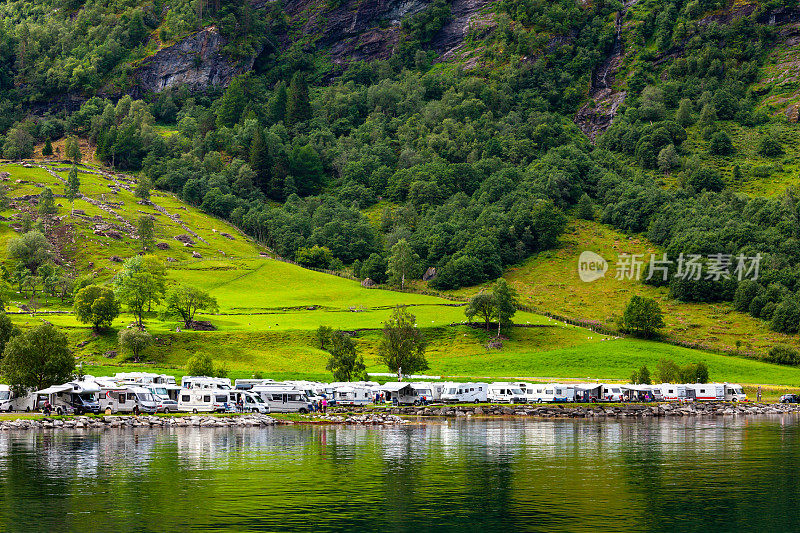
197	61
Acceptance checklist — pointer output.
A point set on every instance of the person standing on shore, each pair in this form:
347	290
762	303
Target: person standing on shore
324	405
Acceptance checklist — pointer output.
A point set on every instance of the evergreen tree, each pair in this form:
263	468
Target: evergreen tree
277	103
298	105
260	160
585	208
47	204
47	150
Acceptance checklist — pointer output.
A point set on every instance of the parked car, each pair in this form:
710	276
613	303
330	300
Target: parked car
790	398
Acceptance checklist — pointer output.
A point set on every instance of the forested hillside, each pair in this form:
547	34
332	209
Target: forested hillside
473	130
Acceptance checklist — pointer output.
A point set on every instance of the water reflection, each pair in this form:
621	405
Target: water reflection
655	475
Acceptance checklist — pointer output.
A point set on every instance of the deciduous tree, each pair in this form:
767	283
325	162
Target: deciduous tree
403	345
38	358
97	306
344	361
185	301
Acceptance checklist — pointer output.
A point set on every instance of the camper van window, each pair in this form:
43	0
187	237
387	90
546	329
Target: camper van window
221	398
277	397
161	391
206	399
5	395
145	397
515	391
452	391
185	398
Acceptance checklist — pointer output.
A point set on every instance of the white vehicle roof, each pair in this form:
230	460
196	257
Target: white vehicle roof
394	386
84	386
4	387
55	389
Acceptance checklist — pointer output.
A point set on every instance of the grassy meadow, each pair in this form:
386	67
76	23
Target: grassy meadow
269	309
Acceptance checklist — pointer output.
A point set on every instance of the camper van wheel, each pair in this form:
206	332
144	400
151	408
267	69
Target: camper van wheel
416	402
79	411
136	410
539	400
194	410
27	409
9	408
303	410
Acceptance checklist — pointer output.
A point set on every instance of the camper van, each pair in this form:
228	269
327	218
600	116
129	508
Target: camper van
283	400
161	394
204	400
502	392
249	401
464	392
734	393
550	392
128	399
5	398
76	397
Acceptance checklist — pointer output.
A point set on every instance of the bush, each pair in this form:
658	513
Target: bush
770	146
782	355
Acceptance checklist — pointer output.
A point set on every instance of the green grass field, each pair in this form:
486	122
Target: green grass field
269	309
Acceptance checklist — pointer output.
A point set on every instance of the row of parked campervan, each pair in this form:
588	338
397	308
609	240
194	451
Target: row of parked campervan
140	392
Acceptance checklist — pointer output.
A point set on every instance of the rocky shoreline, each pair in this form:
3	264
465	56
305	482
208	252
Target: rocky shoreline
585	411
377	416
242	421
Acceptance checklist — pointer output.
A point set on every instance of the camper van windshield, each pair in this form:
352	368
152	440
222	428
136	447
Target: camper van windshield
161	391
5	395
145	397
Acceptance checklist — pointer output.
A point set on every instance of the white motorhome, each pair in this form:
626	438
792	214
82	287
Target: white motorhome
204	400
352	395
127	399
550	392
5	398
503	392
734	393
74	397
249	401
464	392
162	394
284	400
205	382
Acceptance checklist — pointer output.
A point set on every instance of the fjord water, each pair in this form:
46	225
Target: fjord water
720	474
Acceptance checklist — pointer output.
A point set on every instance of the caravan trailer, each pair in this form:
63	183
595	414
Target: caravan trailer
283	400
549	393
611	393
464	392
352	395
674	393
503	392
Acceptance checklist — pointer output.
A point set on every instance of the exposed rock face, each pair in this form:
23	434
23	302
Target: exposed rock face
197	61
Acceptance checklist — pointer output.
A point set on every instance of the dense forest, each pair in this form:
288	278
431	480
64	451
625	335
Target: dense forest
476	166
